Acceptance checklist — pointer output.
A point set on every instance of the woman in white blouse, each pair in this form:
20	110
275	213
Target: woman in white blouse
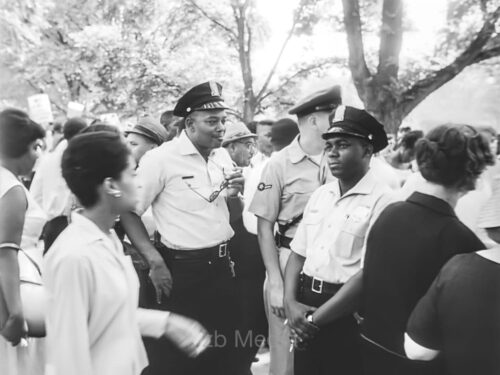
21	223
93	324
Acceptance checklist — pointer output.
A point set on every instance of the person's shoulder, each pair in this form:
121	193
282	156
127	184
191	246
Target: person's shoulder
7	181
70	244
159	154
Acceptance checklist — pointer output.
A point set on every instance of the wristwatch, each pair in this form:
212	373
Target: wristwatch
309	317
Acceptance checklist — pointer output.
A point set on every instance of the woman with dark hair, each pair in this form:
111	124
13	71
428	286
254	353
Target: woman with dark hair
21	223
407	246
458	318
93	323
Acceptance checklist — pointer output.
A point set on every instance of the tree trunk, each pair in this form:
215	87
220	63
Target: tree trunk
249	109
244	40
380	91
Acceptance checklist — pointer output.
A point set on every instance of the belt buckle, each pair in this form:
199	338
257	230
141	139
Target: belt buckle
318	289
222	250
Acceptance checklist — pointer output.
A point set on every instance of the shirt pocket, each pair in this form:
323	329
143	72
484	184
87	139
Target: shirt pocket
312	222
190	194
352	234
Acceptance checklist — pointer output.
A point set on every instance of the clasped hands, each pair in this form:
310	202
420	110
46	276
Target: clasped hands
301	330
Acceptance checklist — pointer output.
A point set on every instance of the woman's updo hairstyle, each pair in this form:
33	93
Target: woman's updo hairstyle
91	158
453	156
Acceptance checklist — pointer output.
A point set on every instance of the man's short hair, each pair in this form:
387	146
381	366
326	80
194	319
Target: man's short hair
73	126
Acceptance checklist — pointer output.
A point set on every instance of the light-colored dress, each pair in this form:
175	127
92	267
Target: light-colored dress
24	360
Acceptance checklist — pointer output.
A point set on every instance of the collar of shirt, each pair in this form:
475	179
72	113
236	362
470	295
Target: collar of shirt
364	186
295	151
61	147
432	203
186	147
91	231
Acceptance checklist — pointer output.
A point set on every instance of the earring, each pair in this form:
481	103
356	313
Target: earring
117	194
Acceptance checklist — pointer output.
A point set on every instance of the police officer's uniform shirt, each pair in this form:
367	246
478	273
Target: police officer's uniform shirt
287	182
332	233
173	178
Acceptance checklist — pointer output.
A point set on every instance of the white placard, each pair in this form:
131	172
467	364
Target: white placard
111	119
39	109
75	109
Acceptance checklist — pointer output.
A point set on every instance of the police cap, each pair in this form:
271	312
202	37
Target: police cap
324	100
203	97
354	122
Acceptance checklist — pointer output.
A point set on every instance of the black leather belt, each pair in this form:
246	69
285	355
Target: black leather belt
318	286
282	241
210	253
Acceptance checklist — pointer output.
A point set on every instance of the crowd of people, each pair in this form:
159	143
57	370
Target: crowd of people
186	244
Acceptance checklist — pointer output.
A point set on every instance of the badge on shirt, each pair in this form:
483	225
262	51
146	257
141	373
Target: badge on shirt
360	214
262	186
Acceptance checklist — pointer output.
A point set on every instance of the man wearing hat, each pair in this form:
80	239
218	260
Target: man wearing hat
240	143
287	182
191	184
328	245
144	136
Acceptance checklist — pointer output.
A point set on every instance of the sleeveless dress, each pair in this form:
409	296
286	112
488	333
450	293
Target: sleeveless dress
30	359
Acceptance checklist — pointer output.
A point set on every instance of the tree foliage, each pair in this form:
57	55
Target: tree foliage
134	56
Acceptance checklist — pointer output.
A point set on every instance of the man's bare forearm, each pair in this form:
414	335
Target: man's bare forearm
268	249
9	281
292	272
138	235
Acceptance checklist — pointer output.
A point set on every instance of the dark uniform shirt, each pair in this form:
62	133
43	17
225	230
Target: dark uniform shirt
406	248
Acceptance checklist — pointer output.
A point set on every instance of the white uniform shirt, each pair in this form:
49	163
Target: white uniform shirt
173	179
331	236
49	189
93	323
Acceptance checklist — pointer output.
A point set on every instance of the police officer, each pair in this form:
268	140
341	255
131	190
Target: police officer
287	182
192	187
328	245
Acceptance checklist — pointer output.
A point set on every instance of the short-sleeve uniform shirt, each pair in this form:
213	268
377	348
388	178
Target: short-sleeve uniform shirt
177	182
332	233
287	182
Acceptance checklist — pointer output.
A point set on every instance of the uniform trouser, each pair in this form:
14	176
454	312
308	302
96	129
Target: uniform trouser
336	349
250	274
281	362
205	291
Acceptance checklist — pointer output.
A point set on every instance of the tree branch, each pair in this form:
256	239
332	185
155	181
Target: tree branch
473	54
391	38
278	58
357	62
215	21
298	73
487	54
